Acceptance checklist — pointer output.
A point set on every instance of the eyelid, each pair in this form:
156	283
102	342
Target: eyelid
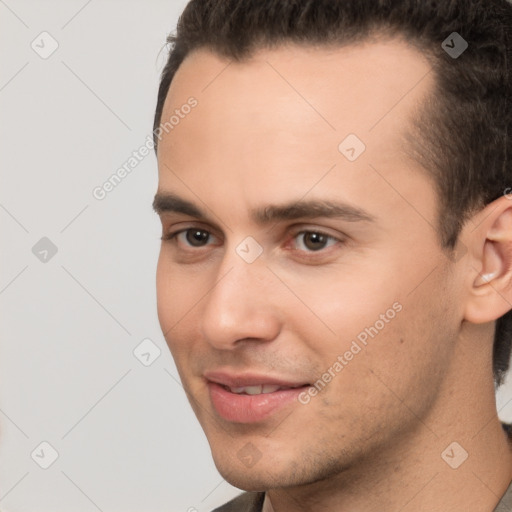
185	226
303	228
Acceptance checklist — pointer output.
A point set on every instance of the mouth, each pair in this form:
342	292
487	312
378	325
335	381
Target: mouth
251	398
261	389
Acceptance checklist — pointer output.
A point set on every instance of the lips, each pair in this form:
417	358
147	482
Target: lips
246	398
251	380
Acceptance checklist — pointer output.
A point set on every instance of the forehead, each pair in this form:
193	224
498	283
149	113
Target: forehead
369	73
279	117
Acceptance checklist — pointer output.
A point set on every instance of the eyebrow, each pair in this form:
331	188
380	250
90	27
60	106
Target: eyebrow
168	203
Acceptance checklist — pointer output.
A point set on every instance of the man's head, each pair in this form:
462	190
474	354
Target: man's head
341	178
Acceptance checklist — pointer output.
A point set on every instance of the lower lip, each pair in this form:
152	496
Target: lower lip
241	408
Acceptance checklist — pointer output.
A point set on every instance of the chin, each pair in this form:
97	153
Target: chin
262	475
257	477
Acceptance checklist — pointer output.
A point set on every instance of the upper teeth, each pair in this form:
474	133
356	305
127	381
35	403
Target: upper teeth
256	390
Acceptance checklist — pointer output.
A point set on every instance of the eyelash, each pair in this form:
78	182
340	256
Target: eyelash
172	237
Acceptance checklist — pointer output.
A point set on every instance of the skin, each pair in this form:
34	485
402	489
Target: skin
266	132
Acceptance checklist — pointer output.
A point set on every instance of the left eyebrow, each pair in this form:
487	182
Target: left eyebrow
310	209
167	202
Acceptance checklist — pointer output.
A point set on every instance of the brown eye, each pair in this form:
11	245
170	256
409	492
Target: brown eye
196	237
315	241
311	241
190	238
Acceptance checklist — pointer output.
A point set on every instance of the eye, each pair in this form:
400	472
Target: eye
191	237
312	241
195	237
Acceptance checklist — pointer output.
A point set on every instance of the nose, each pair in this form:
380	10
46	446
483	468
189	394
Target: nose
240	305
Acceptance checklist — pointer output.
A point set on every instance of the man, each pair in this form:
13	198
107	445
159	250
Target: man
335	274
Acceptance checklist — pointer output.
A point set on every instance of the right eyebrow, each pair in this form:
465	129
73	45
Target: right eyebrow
167	202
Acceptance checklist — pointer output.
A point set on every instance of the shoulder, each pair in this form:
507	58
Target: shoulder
246	502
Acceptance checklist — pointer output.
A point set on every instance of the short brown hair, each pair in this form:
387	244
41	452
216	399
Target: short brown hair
463	135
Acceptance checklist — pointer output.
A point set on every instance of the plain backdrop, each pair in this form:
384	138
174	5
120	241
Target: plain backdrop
77	274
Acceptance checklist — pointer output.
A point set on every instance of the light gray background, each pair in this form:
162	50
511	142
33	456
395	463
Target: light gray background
126	437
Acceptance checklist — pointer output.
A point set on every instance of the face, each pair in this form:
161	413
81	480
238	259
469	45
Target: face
297	257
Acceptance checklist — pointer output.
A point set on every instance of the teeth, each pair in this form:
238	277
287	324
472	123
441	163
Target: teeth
270	388
253	390
236	390
256	390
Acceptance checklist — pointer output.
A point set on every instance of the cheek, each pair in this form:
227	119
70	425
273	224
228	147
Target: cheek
166	299
180	290
338	306
404	361
380	323
175	294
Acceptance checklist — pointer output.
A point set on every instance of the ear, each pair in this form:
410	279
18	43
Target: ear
488	237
